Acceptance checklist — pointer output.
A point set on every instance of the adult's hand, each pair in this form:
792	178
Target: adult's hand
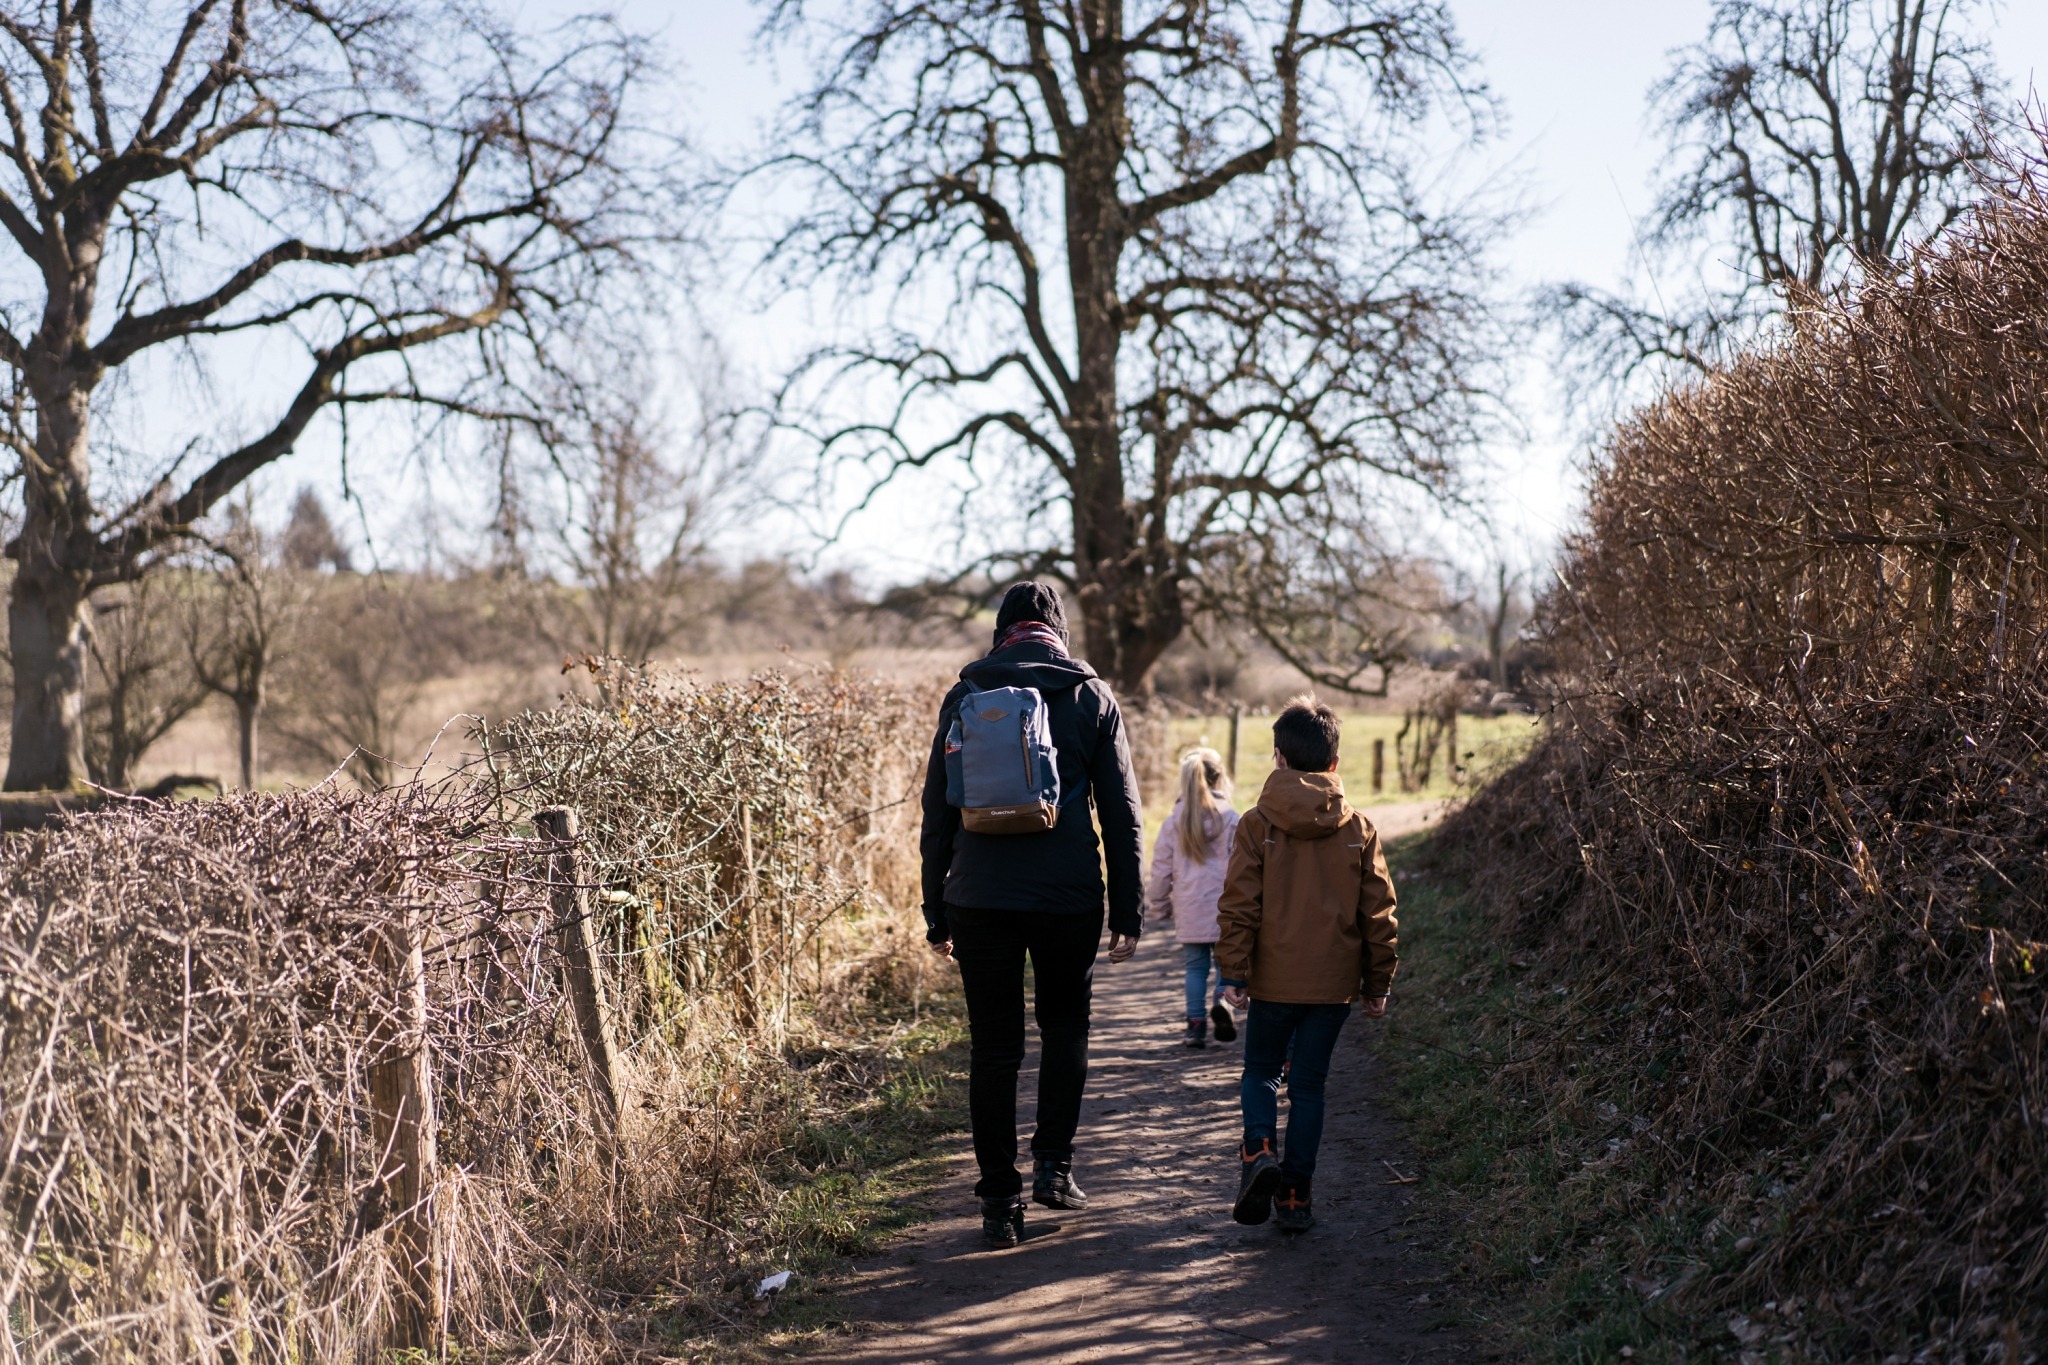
1121	946
1373	1006
944	948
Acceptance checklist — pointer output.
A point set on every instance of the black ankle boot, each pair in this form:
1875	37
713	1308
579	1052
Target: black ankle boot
1052	1184
1002	1221
1197	1034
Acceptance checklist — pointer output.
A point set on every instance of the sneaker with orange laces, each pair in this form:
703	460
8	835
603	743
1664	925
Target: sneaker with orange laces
1255	1186
1291	1209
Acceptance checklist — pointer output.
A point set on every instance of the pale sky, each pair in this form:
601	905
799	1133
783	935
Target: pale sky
1573	79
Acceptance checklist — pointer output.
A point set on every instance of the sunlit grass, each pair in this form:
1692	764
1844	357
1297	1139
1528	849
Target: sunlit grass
1485	744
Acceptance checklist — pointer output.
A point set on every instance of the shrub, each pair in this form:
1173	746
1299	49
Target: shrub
1785	834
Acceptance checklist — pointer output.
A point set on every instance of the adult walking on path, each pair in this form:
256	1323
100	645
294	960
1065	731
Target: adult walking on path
1156	1271
992	899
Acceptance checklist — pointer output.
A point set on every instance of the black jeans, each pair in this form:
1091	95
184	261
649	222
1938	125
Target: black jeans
990	946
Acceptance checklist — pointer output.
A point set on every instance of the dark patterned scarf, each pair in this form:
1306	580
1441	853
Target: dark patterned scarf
1032	633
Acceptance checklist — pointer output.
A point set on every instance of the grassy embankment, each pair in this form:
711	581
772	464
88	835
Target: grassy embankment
1540	1182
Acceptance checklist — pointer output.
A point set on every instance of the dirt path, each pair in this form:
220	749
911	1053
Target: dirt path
1155	1270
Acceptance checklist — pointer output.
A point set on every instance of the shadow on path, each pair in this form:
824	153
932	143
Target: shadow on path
1155	1270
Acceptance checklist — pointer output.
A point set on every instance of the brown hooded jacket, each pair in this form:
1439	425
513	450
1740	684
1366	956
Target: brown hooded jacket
1307	915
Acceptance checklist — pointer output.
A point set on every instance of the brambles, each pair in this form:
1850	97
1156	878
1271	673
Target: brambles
192	993
207	1009
1784	838
729	825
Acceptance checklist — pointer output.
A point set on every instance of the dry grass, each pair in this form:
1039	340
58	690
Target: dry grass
1782	847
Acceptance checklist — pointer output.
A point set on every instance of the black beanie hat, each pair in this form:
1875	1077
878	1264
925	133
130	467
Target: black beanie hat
1031	602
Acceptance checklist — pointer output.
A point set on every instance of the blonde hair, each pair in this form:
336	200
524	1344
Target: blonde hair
1201	778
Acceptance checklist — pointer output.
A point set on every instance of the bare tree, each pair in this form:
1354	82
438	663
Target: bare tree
357	672
238	622
1811	135
140	686
1176	262
248	181
1499	612
1329	597
616	540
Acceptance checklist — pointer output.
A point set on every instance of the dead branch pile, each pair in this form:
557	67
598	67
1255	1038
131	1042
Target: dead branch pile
299	1077
1785	838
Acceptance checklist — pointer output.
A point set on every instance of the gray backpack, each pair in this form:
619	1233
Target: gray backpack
1001	768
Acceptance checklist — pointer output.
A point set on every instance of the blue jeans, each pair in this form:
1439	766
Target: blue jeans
1201	958
1312	1031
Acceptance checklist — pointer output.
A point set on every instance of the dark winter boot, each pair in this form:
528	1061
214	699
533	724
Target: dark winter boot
1226	1027
1255	1186
1197	1034
1291	1209
1052	1184
1002	1221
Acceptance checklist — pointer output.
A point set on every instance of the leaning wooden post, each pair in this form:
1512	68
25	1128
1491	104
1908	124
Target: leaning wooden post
1236	720
569	903
1379	764
402	1110
750	921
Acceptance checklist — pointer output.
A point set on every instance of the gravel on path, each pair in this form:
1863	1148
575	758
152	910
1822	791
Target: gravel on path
1154	1270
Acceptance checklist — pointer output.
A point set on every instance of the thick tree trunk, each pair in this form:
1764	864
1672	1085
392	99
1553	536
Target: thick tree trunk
1119	588
47	603
46	639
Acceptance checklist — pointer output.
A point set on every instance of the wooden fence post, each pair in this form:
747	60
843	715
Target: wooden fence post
1379	764
1236	720
750	900
569	902
402	1109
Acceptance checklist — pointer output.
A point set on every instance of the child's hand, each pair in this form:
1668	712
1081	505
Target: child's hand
1373	1006
1235	997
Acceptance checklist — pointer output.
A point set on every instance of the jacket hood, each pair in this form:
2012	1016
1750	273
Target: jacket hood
1029	664
1305	805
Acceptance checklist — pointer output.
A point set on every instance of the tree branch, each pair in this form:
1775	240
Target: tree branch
175	518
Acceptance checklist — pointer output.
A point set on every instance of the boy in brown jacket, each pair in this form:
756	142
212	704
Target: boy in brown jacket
1307	926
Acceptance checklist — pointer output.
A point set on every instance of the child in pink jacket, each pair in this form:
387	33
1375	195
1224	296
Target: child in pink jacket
1188	863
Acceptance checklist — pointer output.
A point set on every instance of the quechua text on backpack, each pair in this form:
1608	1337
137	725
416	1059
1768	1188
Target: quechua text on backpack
1001	768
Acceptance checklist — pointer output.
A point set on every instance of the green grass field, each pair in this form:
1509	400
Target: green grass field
1484	745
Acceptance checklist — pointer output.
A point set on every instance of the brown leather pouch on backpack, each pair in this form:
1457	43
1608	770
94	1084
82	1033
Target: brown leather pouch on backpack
1035	818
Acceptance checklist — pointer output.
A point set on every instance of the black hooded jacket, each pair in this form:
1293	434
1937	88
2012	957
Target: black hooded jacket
1060	870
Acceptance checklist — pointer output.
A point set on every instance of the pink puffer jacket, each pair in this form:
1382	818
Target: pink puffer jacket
1185	889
